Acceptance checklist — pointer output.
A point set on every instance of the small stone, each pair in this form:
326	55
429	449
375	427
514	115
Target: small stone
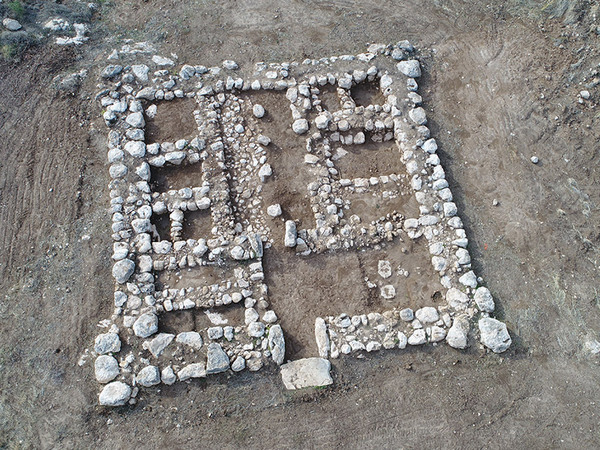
419	337
270	317
384	269
162	61
168	376
106	368
388	291
140	71
274	210
256	329
457	334
136	120
146	325
418	116
157	345
216	359
215	333
402	340
277	344
437	334
238	364
122	270
230	65
237	253
494	335
309	372
111	71
373	346
195	370
323	344
258	111
264	172
136	149
116	393
263	140
148	376
430	146
290	233
463	256
535	159
107	343
322	121
484	300
427	314
11	24
469	279
407	315
300	126
410	68
457	299
585	95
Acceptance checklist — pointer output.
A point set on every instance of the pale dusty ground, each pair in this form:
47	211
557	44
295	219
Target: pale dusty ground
537	250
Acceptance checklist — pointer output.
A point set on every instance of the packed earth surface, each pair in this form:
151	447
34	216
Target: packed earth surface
510	90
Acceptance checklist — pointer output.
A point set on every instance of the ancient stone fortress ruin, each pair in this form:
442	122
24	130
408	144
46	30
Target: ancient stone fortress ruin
195	216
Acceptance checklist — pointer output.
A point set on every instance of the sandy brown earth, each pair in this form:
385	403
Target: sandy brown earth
501	85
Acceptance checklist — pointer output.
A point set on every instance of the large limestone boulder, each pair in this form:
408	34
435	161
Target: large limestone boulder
309	372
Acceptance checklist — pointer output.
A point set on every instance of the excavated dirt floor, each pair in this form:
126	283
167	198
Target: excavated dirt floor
500	85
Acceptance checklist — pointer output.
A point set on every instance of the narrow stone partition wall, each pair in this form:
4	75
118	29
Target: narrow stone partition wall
215	170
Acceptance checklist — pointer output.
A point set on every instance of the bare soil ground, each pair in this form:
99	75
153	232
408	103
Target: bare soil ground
500	85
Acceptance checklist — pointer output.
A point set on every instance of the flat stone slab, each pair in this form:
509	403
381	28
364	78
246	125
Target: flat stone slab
308	372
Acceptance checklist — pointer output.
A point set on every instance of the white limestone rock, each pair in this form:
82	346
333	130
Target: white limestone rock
308	372
384	269
437	334
484	300
238	364
264	172
107	343
458	332
418	116
217	360
322	337
402	340
157	345
106	368
116	393
146	325
457	299
407	315
258	111
148	376
300	126
388	291
230	65
419	337
194	370
494	335
140	71
469	279
290	234
427	314
274	210
122	270
277	344
11	24
410	68
168	376
136	120
162	61
190	338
